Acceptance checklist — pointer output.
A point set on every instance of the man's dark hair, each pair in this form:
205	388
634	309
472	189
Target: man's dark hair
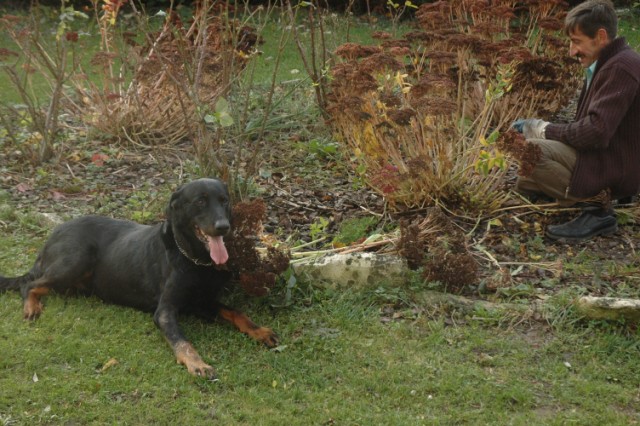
590	16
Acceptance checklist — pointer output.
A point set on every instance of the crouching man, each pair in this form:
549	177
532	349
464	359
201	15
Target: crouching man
599	152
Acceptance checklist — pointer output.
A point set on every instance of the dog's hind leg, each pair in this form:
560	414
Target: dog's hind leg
31	286
62	273
244	324
31	294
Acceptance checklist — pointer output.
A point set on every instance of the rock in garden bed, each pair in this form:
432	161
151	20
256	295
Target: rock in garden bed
610	308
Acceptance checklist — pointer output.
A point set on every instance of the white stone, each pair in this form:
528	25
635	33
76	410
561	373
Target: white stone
354	269
612	308
50	220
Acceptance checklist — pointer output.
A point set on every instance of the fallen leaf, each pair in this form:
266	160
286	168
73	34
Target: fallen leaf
23	187
279	348
109	364
98	159
74	157
35	378
57	196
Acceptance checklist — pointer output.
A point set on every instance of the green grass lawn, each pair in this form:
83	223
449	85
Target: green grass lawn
343	360
339	364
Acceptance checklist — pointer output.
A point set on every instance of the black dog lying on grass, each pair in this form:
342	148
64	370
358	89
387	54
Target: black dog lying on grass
167	268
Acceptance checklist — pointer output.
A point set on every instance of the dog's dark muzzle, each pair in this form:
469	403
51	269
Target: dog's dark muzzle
221	227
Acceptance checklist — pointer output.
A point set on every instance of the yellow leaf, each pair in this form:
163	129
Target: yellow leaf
495	222
74	156
109	364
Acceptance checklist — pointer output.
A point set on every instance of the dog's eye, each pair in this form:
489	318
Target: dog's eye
201	202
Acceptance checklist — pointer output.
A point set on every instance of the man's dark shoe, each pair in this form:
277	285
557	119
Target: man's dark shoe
590	223
627	200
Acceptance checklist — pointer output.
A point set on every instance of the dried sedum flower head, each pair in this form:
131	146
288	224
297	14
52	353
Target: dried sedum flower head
525	153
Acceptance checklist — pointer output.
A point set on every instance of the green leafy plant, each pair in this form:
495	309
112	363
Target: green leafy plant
220	117
397	10
320	148
352	230
318	229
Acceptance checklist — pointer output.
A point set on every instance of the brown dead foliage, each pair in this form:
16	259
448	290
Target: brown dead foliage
255	272
433	242
524	152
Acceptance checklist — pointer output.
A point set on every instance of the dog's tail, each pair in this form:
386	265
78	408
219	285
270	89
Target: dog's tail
14	283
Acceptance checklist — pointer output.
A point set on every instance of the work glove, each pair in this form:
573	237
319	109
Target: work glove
531	128
517	125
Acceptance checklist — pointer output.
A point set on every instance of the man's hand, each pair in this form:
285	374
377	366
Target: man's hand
531	128
517	125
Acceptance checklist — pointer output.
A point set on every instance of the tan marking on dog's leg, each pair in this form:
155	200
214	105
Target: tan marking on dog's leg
187	355
32	307
244	324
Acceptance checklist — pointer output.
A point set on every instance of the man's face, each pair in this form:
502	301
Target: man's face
587	49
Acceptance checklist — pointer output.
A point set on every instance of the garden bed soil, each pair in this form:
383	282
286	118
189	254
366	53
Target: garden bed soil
298	190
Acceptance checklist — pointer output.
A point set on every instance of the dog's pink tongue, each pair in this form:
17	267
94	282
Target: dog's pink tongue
217	250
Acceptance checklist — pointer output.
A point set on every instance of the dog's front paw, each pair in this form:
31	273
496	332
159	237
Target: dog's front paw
248	327
201	369
267	336
187	356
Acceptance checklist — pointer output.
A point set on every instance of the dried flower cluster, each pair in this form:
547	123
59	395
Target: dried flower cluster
525	153
256	274
415	113
435	244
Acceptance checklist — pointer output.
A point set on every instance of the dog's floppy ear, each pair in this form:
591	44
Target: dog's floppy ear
167	230
173	202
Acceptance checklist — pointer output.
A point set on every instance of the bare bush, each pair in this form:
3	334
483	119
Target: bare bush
51	57
163	90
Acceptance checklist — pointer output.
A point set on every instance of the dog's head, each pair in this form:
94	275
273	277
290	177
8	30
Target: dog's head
199	214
